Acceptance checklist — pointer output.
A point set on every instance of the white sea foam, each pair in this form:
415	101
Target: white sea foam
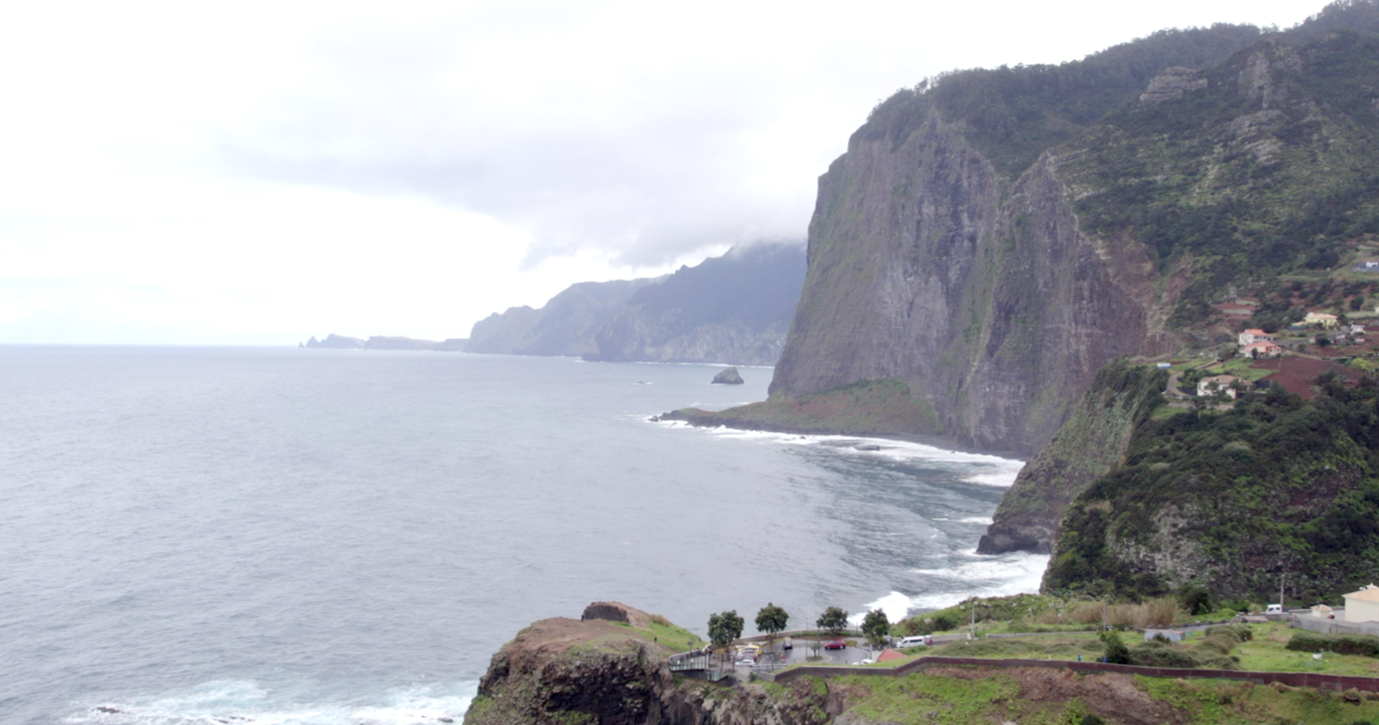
234	702
1003	469
984	520
986	576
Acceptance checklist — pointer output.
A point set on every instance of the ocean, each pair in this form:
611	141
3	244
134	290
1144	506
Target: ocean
280	536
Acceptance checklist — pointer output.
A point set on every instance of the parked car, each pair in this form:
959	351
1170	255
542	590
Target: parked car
836	644
916	641
787	644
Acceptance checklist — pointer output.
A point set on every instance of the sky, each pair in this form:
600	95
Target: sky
258	173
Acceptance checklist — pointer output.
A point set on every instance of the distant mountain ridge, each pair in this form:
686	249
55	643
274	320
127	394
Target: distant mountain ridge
383	342
731	309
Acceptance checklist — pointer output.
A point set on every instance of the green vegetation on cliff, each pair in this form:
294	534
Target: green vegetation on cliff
1092	442
1233	500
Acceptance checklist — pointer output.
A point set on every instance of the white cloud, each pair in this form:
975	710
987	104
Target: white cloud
259	172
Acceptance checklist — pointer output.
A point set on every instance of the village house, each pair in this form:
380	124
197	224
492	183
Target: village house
1252	336
1327	321
1217	383
1263	349
1362	606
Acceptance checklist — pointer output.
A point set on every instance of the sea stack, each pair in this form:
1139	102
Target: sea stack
728	377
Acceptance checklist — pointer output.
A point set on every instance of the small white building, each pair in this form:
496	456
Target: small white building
1217	384
1362	606
1253	335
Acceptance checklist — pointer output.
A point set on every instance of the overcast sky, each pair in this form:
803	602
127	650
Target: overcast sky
256	173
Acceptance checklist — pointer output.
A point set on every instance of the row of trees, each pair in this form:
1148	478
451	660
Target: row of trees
726	627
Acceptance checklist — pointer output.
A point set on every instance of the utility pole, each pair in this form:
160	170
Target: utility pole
1280	591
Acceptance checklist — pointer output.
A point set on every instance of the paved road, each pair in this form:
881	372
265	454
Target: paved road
775	655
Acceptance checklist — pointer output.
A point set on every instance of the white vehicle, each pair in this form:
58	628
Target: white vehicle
1274	609
912	642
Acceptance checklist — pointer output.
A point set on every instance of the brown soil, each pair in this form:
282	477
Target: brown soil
1296	373
1113	696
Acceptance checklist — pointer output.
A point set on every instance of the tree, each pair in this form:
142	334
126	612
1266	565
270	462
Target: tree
1116	652
772	619
724	628
833	621
876	626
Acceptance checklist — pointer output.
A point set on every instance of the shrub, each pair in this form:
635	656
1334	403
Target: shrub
1195	598
943	623
1154	654
1116	652
1346	644
1240	632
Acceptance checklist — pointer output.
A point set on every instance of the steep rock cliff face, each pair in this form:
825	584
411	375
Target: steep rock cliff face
983	296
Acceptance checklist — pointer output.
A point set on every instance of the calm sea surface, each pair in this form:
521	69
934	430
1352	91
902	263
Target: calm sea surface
203	535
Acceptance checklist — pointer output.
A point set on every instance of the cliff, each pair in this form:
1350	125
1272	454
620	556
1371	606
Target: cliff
993	238
611	668
563	326
1232	500
733	309
1088	446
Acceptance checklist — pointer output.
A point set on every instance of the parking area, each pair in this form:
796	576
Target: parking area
775	654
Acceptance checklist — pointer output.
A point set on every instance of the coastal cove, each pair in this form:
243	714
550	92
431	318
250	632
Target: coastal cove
332	536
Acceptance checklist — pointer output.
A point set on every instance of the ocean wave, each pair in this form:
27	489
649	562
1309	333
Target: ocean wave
983	520
239	702
985	576
1007	468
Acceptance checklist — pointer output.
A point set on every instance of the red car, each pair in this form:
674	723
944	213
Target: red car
836	644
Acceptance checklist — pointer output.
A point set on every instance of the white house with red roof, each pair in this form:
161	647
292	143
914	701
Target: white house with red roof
1252	336
1259	350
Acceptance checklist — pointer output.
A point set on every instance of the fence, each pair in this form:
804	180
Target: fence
1292	679
1333	626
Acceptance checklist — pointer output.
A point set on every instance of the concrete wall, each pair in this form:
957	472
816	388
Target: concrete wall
1334	626
1359	610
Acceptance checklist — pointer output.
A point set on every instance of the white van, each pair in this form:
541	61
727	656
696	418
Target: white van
1274	609
912	642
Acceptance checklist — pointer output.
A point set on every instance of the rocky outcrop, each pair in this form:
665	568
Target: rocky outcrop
1090	444
606	669
335	342
1172	84
728	377
385	342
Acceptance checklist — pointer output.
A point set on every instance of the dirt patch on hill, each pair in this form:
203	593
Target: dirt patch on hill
1110	695
1296	373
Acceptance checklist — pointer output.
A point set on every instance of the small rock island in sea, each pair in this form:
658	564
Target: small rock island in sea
728	377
